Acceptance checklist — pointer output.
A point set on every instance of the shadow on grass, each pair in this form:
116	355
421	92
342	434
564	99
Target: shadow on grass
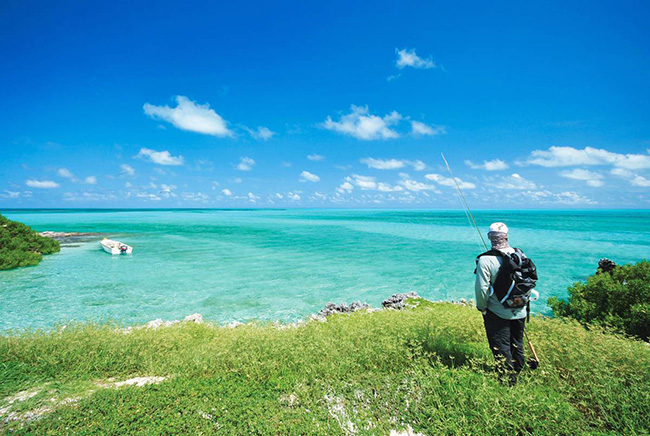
443	347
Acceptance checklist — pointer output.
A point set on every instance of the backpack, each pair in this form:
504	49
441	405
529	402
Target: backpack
517	276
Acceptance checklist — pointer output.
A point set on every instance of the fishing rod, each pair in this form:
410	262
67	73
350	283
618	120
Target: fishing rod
534	361
468	211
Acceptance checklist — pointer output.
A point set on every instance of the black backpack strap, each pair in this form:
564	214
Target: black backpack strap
492	252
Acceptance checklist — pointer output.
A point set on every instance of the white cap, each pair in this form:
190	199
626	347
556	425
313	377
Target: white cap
498	227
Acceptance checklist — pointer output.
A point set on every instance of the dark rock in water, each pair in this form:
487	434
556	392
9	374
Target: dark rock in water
332	308
606	266
72	237
398	301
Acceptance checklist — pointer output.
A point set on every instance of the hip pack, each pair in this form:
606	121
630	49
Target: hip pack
517	276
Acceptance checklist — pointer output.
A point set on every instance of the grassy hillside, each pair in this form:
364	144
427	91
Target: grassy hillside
365	373
22	246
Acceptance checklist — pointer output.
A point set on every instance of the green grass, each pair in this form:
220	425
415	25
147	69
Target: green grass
428	367
22	246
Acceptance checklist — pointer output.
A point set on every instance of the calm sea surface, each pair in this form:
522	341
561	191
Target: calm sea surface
239	265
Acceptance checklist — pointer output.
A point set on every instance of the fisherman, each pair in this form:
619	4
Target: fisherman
504	326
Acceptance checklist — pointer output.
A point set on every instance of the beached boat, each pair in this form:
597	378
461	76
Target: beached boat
115	247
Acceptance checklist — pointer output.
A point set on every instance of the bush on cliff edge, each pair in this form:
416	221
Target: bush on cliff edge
619	300
22	246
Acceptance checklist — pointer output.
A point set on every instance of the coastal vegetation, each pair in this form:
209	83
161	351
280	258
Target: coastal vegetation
426	367
22	246
618	299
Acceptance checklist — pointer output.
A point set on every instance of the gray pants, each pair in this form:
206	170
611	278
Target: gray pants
506	339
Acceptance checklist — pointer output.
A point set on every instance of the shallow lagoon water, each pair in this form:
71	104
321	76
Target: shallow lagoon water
240	265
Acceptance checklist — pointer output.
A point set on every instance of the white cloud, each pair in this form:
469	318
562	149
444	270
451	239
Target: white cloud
226	192
548	197
346	187
90	180
65	173
448	181
263	133
293	196
415	186
634	179
421	129
514	181
360	124
195	196
10	194
144	195
306	176
245	164
252	197
88	196
160	157
385	187
127	169
489	165
383	164
569	156
591	178
188	115
408	58
316	157
392	164
44	184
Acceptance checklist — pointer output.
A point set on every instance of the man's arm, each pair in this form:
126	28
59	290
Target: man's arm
482	284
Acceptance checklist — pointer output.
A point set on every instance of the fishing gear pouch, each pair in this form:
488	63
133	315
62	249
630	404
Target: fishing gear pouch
515	280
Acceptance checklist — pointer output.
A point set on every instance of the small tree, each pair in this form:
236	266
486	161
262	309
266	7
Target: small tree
619	299
22	246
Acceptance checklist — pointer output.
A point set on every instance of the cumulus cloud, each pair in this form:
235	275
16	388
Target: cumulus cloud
548	197
65	173
316	157
226	192
488	165
408	58
383	164
392	164
306	176
127	170
590	177
43	184
570	156
90	180
346	187
252	197
633	178
189	115
160	157
514	181
10	194
360	124
415	186
245	164
263	133
448	181
365	183
421	129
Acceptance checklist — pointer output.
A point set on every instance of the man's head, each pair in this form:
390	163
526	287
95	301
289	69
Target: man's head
498	235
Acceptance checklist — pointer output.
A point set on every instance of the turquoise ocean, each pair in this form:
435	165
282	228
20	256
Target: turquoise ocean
241	265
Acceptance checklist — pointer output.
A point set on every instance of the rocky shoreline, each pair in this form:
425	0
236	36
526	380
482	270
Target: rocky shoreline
394	302
67	238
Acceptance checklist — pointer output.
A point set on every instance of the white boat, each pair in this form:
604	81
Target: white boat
115	247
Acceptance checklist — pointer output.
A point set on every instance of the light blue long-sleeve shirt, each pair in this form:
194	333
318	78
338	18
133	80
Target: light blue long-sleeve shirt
486	273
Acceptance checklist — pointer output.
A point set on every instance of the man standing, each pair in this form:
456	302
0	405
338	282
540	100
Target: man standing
504	325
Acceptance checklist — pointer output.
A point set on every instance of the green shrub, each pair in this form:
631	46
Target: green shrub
22	246
620	300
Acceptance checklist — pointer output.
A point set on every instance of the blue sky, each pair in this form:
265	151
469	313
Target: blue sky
336	104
